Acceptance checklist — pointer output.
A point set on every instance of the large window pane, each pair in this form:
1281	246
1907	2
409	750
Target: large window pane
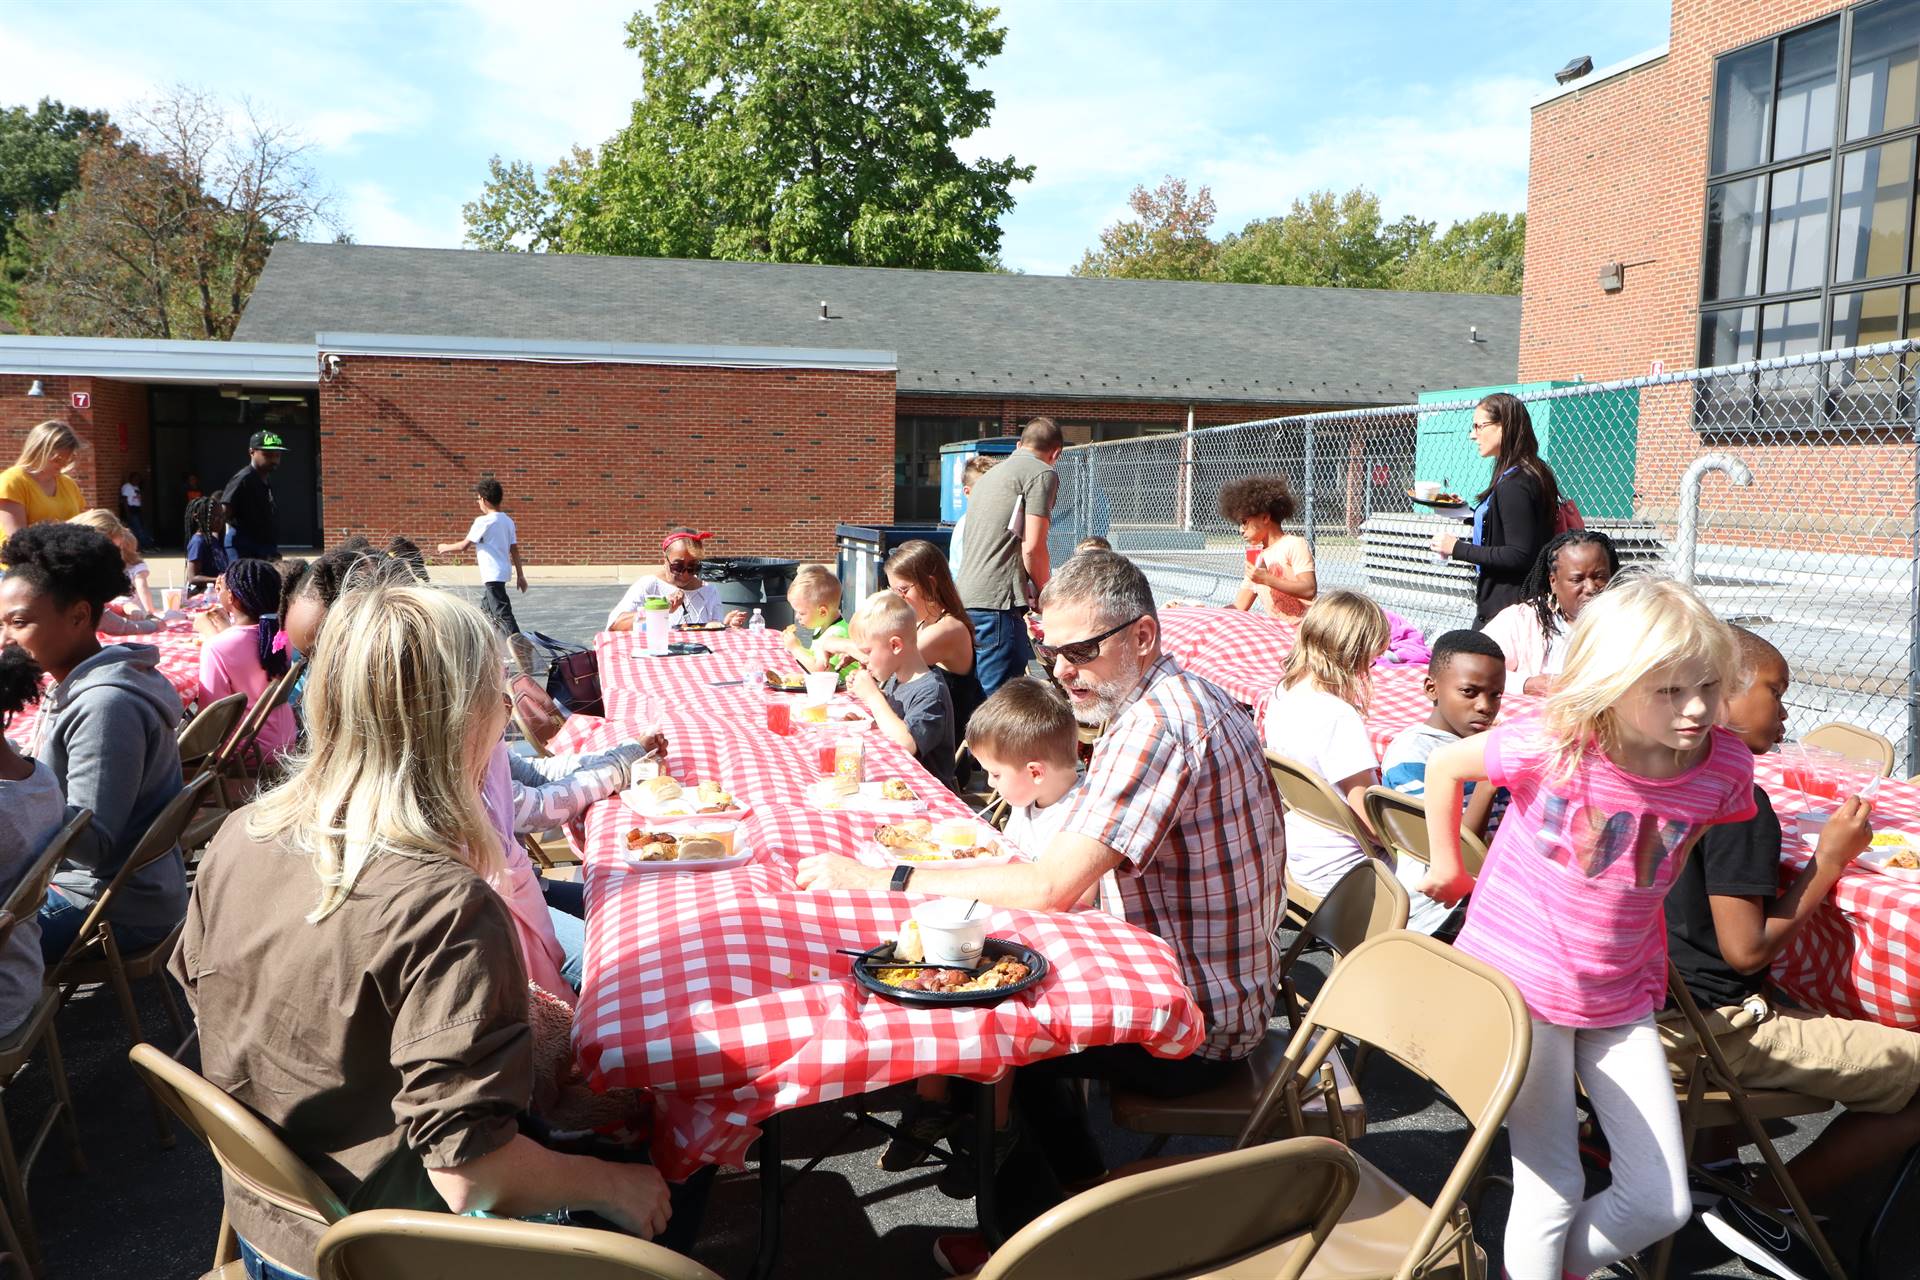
1883	90
1809	62
1742	106
1860	319
1876	197
1728	337
1789	328
1797	227
1733	239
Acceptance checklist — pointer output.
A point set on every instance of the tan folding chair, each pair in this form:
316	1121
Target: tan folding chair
95	956
1448	1018
1312	797
406	1244
1711	1097
1367	902
202	736
1201	1217
246	1147
17	1047
1401	820
229	763
1862	746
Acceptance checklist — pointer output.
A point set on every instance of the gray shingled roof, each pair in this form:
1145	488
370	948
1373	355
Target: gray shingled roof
956	333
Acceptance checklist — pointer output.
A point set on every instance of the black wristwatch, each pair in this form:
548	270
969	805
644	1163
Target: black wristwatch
901	874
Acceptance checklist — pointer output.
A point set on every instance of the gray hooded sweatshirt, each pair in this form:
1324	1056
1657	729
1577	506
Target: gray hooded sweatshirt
107	732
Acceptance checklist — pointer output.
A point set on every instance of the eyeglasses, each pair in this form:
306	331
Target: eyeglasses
684	566
1080	652
1478	427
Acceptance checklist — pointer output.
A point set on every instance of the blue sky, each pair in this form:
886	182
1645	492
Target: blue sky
1424	103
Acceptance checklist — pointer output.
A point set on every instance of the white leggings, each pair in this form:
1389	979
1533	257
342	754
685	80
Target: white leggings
1553	1230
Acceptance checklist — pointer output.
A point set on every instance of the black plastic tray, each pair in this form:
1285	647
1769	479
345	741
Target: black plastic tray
995	948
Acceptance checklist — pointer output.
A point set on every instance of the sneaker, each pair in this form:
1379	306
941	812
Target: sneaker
961	1254
922	1124
1763	1244
960	1179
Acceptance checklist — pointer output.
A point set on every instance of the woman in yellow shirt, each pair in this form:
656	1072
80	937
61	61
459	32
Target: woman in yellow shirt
37	487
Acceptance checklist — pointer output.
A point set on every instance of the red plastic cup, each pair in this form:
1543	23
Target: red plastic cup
1253	556
780	716
824	760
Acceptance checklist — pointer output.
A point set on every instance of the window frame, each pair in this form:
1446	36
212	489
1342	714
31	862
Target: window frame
1835	155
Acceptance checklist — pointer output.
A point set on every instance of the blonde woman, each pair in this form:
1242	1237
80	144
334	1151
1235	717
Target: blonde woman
1612	785
140	599
36	487
1317	716
354	977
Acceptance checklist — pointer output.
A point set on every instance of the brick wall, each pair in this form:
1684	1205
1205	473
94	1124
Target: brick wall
1618	172
1012	413
598	459
114	425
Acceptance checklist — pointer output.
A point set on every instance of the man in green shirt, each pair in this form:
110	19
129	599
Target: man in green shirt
1008	515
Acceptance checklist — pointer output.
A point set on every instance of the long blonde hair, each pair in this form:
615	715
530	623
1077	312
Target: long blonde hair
45	440
103	521
1632	628
1340	637
402	679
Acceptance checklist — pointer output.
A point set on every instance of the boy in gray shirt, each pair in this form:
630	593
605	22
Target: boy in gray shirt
908	700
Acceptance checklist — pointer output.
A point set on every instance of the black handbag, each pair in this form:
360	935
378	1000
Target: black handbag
573	676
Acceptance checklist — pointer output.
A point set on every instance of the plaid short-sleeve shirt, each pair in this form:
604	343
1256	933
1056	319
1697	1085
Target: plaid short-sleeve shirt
1179	788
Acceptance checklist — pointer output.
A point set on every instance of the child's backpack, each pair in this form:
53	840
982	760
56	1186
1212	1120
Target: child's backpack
1566	517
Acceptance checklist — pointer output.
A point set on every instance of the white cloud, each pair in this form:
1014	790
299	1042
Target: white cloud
555	75
375	216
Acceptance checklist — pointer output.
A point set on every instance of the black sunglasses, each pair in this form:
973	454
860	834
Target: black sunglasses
684	566
1080	652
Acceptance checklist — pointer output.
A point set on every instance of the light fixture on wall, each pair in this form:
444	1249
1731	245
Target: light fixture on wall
1613	275
1580	66
37	390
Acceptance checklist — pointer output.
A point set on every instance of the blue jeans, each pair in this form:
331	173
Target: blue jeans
60	921
567	908
258	1268
1000	647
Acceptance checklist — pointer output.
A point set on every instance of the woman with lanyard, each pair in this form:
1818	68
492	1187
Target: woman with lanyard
1513	518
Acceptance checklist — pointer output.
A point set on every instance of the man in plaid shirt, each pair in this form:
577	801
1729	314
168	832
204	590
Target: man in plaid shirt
1178	802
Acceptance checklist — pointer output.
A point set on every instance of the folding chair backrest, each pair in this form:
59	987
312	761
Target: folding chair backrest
1863	746
31	893
1191	1217
1401	820
1313	797
212	725
1367	902
404	1244
162	835
267	703
245	1145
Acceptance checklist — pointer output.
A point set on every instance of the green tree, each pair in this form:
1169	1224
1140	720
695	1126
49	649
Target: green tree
1327	240
1166	239
39	163
786	131
1484	254
167	230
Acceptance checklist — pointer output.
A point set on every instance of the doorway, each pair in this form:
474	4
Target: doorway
203	431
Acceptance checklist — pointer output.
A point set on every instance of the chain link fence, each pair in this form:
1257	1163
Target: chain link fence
1784	489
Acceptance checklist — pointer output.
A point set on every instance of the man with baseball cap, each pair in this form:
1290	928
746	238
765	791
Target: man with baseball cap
248	500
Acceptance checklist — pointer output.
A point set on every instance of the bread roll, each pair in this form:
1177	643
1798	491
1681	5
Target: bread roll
908	949
660	790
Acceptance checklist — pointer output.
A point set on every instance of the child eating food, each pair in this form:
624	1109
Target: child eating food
909	703
691	598
1279	573
1026	739
815	597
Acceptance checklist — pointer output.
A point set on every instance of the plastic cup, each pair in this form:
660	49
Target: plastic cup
780	717
824	759
821	685
1253	556
949	933
1428	489
170	598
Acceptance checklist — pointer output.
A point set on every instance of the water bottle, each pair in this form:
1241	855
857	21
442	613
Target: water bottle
658	617
758	622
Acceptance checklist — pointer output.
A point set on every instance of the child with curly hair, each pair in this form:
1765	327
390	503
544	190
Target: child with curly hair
1279	565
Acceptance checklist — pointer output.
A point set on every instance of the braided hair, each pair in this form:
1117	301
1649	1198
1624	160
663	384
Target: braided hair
255	587
1539	588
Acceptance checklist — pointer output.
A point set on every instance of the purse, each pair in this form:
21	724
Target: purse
573	676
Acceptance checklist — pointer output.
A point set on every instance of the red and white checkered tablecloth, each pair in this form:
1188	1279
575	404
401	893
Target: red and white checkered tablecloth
179	646
721	991
637	688
1858	957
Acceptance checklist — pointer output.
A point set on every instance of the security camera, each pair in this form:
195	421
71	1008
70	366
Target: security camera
331	364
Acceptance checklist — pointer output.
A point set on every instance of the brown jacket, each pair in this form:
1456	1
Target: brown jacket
391	1036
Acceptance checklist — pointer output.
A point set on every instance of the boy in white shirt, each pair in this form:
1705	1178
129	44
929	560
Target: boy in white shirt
497	547
1026	739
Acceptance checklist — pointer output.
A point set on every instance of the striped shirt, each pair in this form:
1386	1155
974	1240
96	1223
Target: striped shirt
1570	902
1179	788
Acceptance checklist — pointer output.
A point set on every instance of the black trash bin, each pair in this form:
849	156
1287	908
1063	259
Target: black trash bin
863	549
754	582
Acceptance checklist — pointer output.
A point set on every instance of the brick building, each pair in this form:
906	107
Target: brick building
1745	191
616	396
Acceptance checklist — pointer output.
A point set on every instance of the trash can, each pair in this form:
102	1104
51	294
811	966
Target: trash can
862	549
953	460
754	582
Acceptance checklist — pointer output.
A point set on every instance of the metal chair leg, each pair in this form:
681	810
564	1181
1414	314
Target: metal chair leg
14	1185
63	1100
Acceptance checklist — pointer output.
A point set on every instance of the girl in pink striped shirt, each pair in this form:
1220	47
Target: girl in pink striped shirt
1612	784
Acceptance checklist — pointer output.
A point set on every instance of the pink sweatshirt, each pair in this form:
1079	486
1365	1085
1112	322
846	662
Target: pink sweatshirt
229	664
518	885
1570	904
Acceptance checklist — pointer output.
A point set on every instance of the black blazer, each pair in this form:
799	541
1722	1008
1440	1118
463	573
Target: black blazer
1517	527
